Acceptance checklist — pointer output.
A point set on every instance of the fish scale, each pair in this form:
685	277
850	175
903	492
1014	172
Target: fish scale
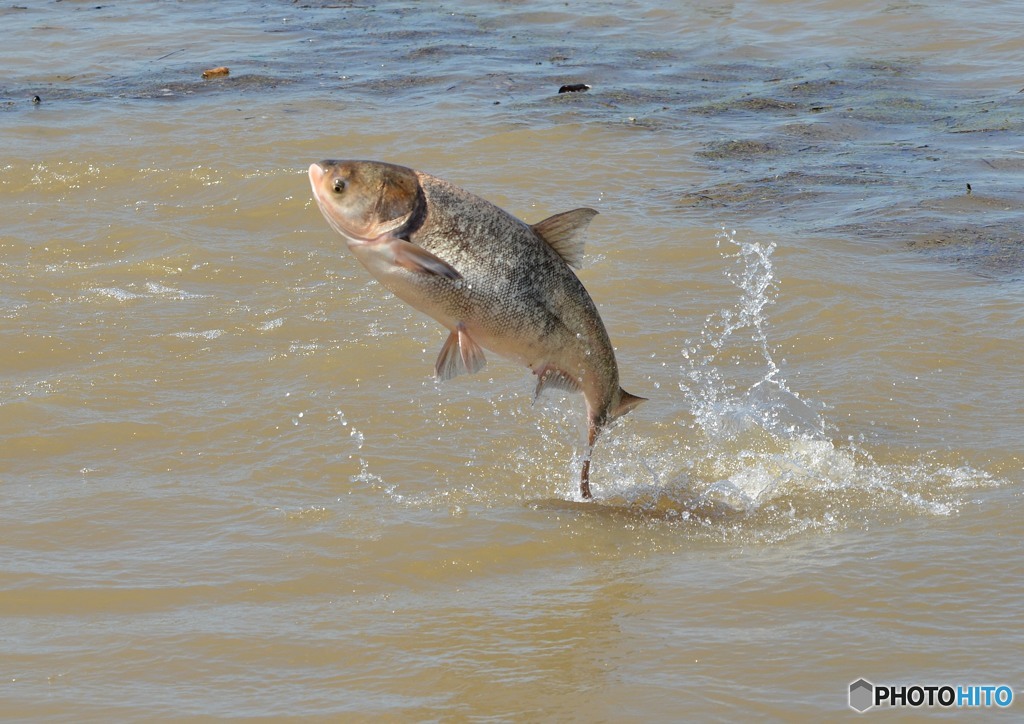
518	293
494	281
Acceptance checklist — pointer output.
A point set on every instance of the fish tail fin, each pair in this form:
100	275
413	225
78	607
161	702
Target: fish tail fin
596	423
626	403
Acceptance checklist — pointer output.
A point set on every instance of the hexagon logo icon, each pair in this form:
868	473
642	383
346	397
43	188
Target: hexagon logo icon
862	695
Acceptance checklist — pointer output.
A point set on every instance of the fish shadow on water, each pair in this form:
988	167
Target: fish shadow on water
662	505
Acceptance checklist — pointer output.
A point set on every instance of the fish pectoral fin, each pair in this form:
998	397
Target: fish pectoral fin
548	376
417	259
459	355
565	234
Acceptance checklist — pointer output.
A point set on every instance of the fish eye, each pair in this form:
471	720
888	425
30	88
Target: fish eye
339	185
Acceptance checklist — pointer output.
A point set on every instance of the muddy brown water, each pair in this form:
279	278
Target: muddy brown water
231	486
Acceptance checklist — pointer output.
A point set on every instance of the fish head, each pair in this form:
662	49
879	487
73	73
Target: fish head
365	200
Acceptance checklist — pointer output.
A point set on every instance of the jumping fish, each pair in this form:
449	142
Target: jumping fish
493	281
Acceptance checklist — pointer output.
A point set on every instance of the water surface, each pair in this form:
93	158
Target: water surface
232	487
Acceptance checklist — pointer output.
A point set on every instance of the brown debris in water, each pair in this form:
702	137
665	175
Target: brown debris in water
990	249
738	150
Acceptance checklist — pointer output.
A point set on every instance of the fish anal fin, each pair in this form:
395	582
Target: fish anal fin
460	354
548	376
565	233
417	259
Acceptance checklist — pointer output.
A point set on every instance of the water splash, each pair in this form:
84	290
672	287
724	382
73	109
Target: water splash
735	339
755	459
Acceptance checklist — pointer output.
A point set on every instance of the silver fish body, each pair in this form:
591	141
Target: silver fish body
494	281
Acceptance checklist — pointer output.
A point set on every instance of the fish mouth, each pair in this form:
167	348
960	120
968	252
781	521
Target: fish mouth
316	178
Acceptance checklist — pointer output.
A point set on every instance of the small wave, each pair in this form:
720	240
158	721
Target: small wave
150	290
206	334
303	348
161	290
121	295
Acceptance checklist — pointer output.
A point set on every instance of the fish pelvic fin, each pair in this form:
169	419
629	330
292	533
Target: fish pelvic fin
460	354
626	403
565	234
417	259
554	378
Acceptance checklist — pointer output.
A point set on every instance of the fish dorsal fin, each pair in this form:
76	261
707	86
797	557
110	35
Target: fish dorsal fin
564	233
